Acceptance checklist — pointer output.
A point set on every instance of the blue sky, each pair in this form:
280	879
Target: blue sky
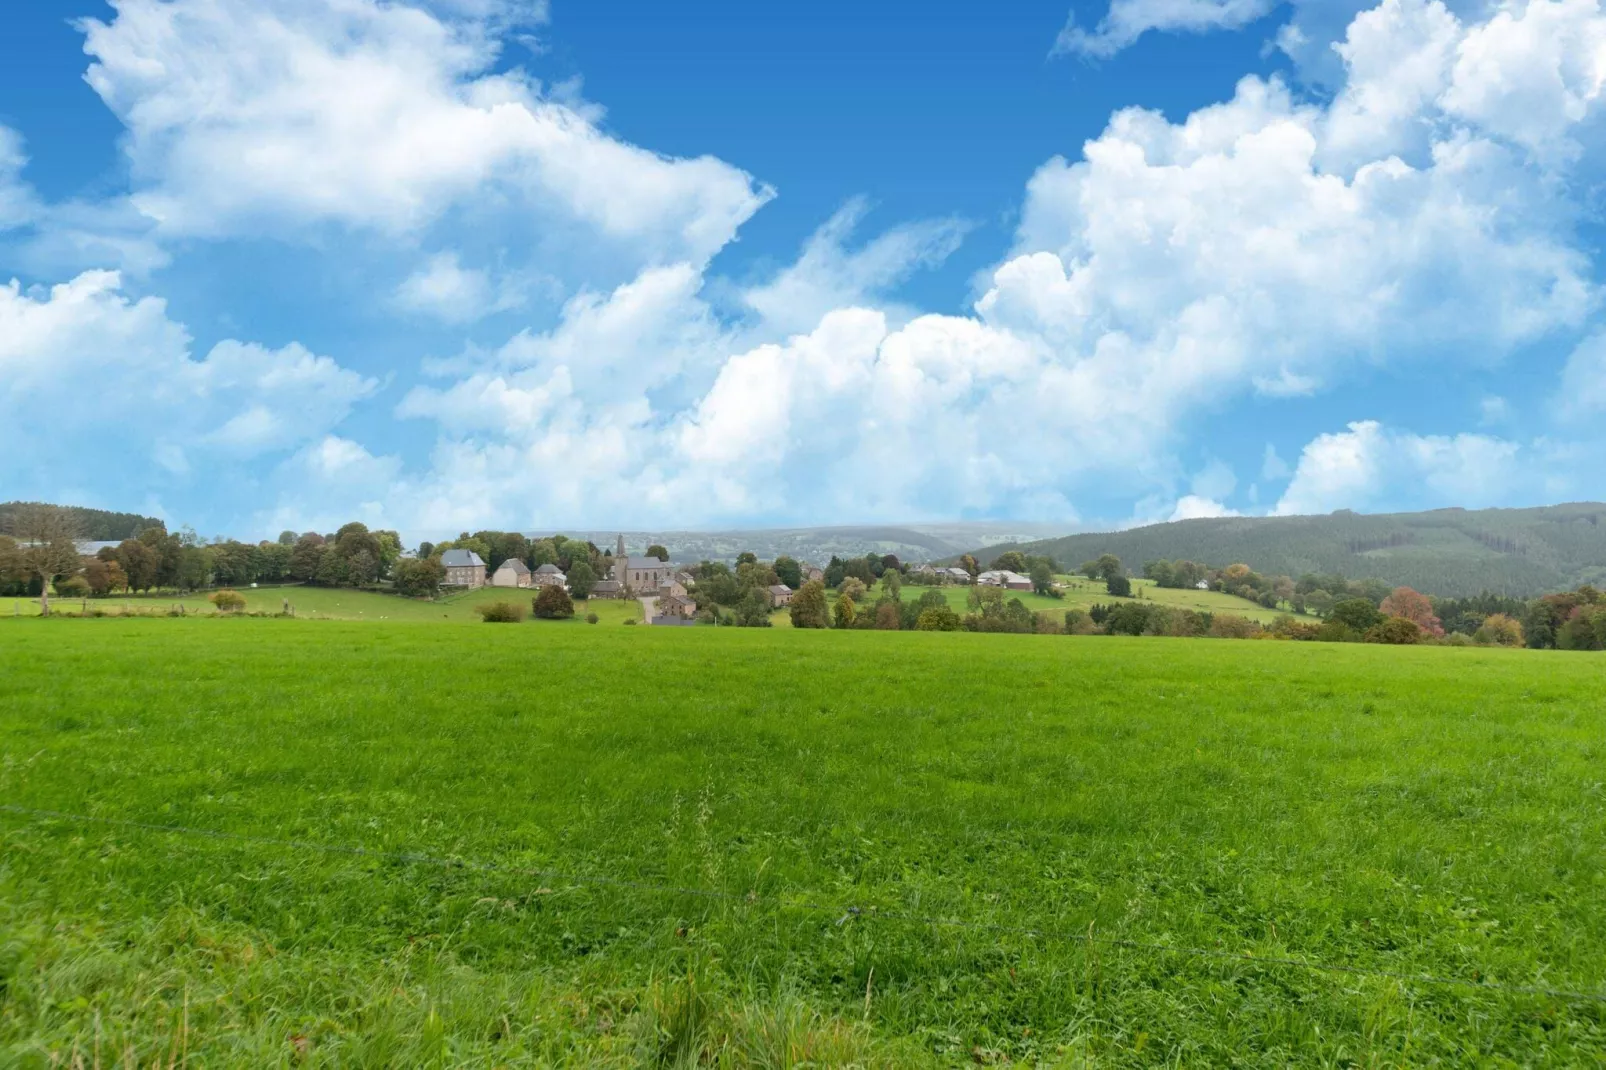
466	263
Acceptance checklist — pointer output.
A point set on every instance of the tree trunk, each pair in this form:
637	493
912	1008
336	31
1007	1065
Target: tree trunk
44	595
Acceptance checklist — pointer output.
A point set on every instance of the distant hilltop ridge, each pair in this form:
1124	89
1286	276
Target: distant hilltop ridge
1447	552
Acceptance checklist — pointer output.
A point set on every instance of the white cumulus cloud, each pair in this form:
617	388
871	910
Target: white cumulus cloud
85	365
1371	468
246	115
1128	20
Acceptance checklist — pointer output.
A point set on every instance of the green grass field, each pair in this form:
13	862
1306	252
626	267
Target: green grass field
638	846
326	603
1082	593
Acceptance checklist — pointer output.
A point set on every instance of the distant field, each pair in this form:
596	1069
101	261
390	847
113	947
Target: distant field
332	604
626	846
1084	593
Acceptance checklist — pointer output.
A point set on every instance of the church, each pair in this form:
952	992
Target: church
640	575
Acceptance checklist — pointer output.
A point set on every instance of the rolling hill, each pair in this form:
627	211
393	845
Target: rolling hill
1448	552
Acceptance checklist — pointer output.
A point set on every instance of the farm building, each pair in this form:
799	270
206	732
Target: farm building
463	569
511	573
549	575
607	589
1011	581
780	595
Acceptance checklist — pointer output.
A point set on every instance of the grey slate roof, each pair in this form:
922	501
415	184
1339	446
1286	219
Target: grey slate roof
549	569
461	559
644	562
516	564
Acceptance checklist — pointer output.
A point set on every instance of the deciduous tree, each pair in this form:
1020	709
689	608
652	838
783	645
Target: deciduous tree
1414	607
45	546
808	608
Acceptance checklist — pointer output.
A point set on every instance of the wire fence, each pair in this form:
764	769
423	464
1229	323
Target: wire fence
844	912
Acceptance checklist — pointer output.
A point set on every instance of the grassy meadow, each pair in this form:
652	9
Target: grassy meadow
1081	593
327	603
659	847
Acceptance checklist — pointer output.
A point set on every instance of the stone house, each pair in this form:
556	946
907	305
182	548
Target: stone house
674	609
511	573
463	569
549	575
780	595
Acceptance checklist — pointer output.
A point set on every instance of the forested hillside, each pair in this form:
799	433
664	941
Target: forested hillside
95	524
1447	552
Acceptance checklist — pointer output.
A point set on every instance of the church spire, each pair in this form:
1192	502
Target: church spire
619	555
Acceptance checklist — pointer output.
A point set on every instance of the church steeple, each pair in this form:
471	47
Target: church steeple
620	553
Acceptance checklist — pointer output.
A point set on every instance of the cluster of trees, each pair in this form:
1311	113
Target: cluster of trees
583	563
740	596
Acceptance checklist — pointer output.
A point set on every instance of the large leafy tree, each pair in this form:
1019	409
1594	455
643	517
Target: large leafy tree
808	608
582	579
44	547
1414	607
790	572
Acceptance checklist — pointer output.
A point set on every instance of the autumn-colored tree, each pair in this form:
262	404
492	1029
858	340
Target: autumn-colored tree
1498	629
886	617
46	546
1414	607
854	589
104	576
808	608
968	563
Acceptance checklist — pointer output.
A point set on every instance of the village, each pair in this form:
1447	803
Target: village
664	588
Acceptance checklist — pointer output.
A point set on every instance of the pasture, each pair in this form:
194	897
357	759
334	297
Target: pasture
1082	593
326	603
354	843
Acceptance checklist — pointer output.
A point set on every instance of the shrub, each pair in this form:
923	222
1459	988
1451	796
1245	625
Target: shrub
1119	586
592	618
500	613
72	587
937	619
631	620
1232	626
1288	627
1358	614
1498	629
1077	622
227	601
1336	631
1395	631
553	603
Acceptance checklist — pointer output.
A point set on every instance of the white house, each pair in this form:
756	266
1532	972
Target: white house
511	573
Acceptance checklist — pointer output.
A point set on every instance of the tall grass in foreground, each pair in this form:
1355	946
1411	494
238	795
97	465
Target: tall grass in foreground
678	822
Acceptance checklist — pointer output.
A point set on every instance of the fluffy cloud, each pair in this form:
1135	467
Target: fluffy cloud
1127	20
245	115
1263	245
1372	468
85	363
443	288
1194	507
